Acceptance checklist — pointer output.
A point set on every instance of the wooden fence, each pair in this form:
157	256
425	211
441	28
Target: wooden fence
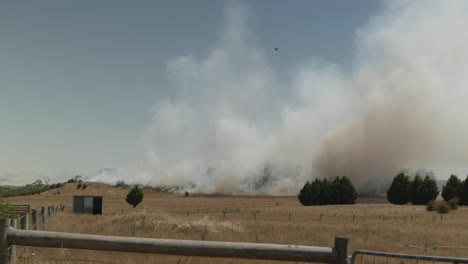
11	237
36	218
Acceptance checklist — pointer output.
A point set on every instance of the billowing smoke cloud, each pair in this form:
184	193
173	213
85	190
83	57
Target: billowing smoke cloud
233	126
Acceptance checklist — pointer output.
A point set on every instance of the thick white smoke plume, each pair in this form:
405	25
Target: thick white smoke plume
232	126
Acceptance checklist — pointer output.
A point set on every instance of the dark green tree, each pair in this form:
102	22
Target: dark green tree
464	192
305	194
348	193
342	191
322	192
452	188
325	188
135	196
398	193
311	193
429	190
416	191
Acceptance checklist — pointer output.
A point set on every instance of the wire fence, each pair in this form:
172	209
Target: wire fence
366	257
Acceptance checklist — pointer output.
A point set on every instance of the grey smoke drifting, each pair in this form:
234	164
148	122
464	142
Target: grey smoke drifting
233	126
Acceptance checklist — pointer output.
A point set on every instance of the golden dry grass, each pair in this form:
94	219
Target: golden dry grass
280	220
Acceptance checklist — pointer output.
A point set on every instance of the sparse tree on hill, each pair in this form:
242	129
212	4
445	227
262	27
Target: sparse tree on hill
135	196
452	188
398	193
84	186
79	185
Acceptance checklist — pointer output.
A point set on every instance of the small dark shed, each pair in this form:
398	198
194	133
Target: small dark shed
87	204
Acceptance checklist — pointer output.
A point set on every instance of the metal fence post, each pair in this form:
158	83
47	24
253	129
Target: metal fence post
34	219
341	249
4	224
24	221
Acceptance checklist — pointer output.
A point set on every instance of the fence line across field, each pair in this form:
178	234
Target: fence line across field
10	236
407	256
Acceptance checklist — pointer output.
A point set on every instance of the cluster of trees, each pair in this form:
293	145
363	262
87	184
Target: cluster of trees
323	191
36	187
456	189
418	191
81	185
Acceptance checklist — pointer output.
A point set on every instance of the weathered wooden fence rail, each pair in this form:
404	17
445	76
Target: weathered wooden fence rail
10	236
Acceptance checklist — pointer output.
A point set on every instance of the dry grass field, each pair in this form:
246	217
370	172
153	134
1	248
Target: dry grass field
281	220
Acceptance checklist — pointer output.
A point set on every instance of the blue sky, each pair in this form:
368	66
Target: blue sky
78	79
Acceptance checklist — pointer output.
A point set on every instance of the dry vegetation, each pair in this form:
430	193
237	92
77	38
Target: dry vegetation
279	220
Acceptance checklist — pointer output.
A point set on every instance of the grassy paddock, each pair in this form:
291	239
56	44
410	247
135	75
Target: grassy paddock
264	219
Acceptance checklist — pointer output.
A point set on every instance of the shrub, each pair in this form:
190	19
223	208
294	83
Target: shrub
84	186
398	193
186	194
135	196
79	185
453	203
452	188
120	183
430	206
442	207
6	211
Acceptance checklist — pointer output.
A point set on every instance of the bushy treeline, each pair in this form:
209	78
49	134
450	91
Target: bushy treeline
456	188
36	187
418	191
324	191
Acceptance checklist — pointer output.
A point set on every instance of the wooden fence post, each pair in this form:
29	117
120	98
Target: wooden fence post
12	247
341	249
34	224
44	217
4	224
24	221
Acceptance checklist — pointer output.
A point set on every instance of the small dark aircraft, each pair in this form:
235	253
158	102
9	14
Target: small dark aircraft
276	49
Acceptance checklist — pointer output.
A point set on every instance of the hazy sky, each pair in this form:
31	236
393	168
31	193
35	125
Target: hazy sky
78	79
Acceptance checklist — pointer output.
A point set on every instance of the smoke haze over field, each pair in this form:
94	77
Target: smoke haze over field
233	125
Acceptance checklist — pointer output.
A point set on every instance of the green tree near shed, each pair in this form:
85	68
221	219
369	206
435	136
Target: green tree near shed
135	196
